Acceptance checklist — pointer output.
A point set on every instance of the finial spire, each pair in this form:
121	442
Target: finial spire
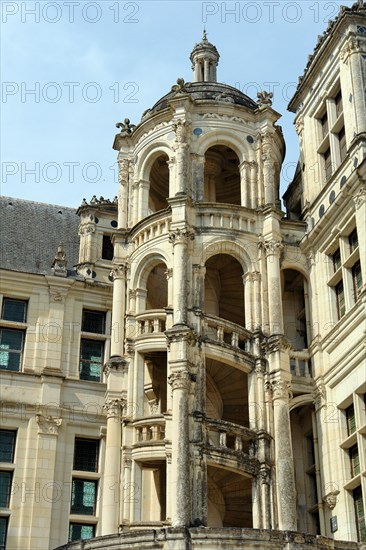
205	58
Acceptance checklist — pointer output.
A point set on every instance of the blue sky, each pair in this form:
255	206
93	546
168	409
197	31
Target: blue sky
72	69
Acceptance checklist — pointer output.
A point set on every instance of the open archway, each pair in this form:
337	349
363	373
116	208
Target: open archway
222	176
159	184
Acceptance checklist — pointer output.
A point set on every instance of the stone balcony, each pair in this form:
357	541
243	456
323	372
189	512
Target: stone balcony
152	227
224	217
301	370
149	438
229	445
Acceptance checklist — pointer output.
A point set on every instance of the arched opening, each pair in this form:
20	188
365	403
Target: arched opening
222	176
224	289
229	499
226	393
305	463
159	184
294	298
157	288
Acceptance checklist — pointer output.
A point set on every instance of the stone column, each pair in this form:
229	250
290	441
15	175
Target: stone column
180	475
351	56
180	128
272	250
285	477
248	300
198	172
180	238
119	309
123	173
268	168
206	69
111	484
199	272
256	299
245	189
253	184
143	199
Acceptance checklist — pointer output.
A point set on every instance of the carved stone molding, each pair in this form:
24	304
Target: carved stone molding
181	236
115	363
56	295
351	46
127	463
260	368
264	476
180	334
119	271
180	380
114	407
276	343
360	196
48	425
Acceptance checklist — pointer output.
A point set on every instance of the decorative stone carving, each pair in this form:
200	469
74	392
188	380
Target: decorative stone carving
180	88
48	425
123	171
360	196
168	273
180	380
116	363
181	236
114	407
180	128
320	395
86	228
154	406
331	499
179	335
126	127
56	296
59	263
127	463
264	476
276	343
351	46
224	96
264	99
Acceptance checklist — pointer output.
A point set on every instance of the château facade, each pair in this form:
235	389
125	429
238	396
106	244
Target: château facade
189	371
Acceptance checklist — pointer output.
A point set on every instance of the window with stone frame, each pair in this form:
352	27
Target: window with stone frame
350	419
4	520
92	345
354	460
12	333
359	514
346	273
107	247
332	135
7	447
84	489
81	531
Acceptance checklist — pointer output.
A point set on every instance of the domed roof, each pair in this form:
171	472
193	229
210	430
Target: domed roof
206	91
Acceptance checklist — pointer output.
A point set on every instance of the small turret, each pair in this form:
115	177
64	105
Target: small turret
205	58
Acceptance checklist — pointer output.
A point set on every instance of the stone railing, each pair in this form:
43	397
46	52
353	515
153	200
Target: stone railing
154	226
300	363
221	433
150	429
152	321
225	332
224	216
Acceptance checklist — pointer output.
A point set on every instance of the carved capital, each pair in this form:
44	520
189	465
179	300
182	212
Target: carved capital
181	130
181	236
180	380
351	46
119	271
48	425
270	248
114	407
281	390
86	228
274	344
57	295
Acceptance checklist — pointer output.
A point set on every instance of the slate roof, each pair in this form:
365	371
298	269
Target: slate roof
30	233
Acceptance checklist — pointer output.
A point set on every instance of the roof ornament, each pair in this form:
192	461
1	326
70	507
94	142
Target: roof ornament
204	36
180	87
264	99
59	263
126	127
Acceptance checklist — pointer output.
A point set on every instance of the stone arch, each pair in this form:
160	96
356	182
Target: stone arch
233	249
154	180
148	157
224	288
228	138
144	266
